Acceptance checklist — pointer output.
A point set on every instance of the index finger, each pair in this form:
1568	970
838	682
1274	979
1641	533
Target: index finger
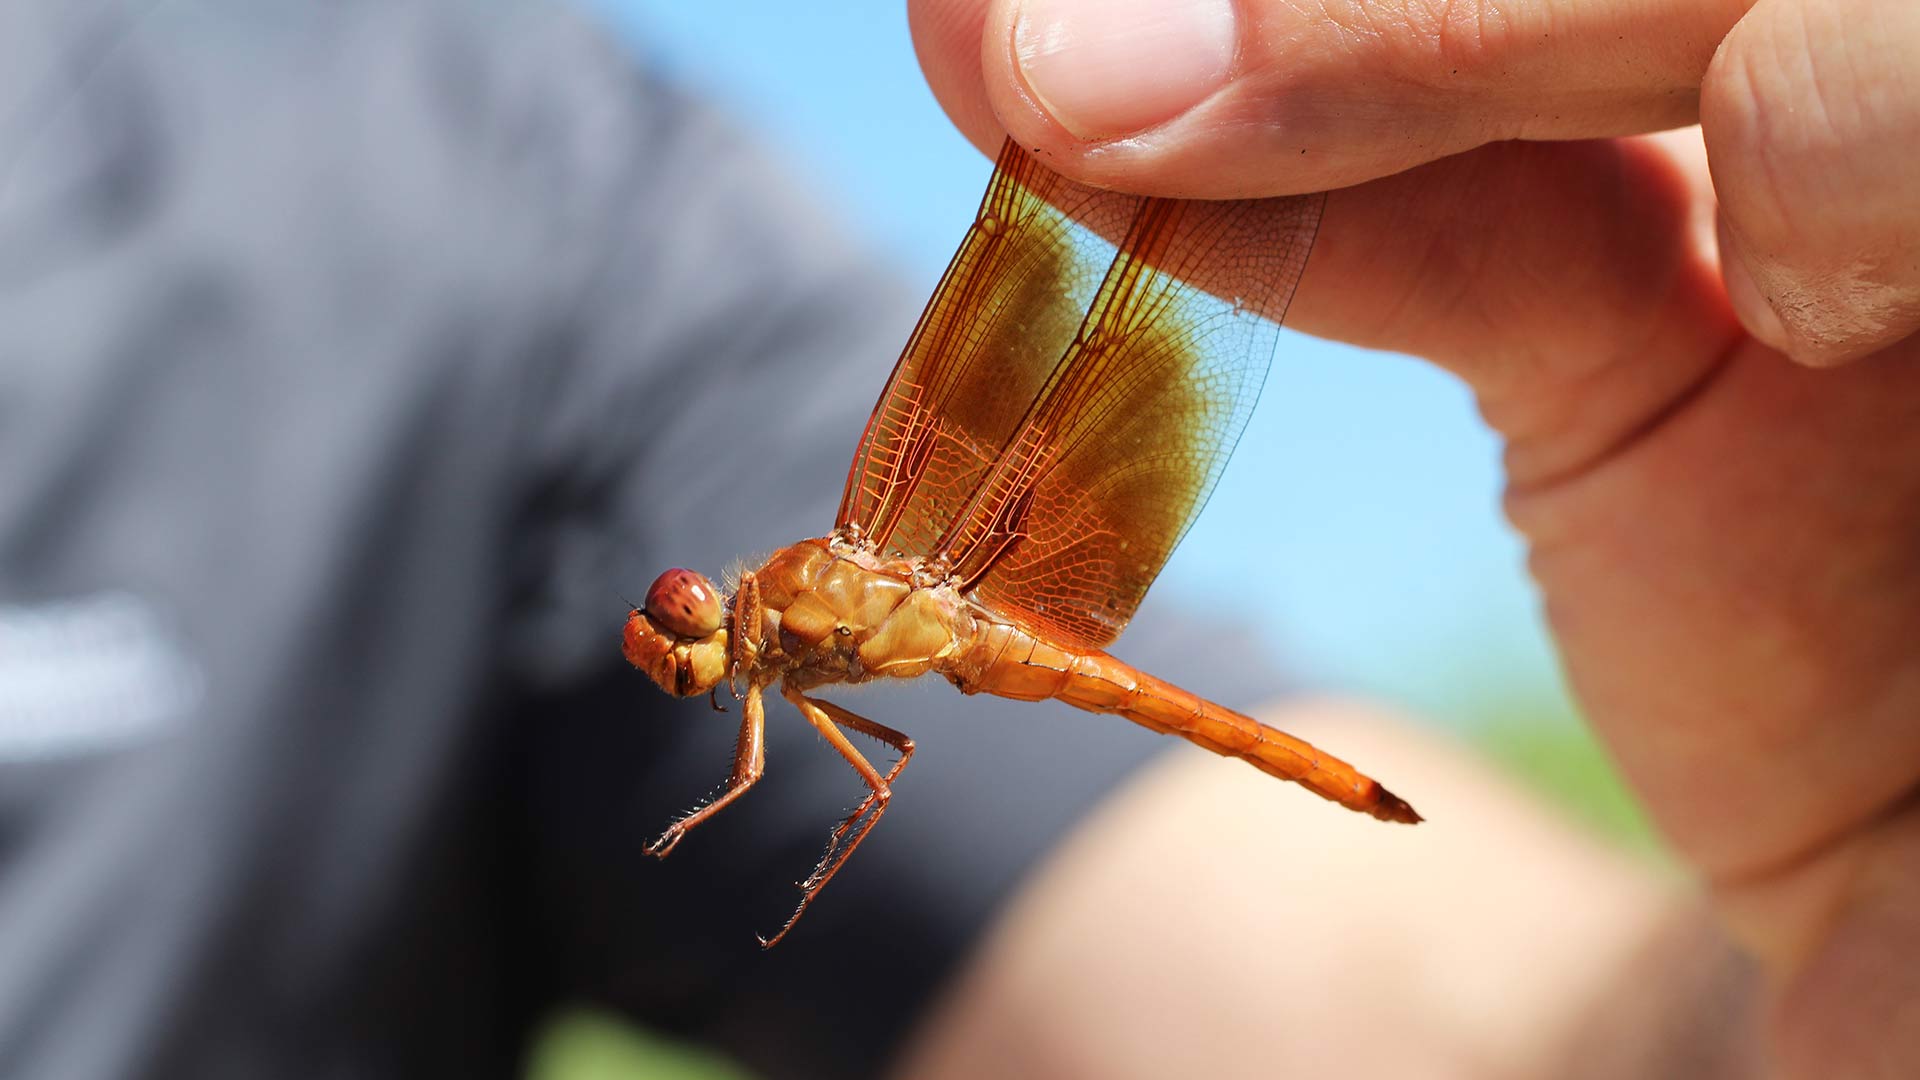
1246	98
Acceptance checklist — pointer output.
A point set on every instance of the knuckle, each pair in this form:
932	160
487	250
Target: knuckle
1813	147
1797	115
1430	42
1756	130
1471	35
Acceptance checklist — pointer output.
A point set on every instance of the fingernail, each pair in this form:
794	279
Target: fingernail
1106	68
1749	303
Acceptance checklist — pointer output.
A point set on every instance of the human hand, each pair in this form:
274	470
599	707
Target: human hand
1699	347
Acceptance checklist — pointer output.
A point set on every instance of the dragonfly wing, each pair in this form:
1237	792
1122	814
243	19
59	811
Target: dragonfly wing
1073	391
1125	441
1010	303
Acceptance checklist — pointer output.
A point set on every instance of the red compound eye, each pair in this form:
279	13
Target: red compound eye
685	602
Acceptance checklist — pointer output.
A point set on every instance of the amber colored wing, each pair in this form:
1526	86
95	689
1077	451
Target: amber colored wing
1123	447
1056	470
1011	302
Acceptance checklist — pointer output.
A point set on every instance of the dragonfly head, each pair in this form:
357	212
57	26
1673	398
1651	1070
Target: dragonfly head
679	638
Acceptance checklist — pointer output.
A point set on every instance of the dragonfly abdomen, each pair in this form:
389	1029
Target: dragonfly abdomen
1008	662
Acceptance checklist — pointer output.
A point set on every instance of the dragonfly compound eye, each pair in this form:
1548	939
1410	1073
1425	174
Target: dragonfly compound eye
684	602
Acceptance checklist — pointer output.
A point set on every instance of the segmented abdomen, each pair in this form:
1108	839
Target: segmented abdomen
1009	662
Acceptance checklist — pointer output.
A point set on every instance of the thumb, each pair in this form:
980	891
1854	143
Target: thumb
1247	98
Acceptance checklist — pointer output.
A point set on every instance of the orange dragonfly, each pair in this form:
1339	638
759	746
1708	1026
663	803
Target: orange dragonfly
1057	420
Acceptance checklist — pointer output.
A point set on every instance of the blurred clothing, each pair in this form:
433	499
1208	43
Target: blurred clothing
355	360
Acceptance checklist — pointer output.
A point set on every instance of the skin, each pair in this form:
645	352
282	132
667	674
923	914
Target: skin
1699	347
1209	922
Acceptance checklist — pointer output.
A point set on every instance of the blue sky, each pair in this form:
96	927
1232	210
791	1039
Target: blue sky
1358	526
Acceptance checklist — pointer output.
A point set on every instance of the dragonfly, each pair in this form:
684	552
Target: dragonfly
1056	422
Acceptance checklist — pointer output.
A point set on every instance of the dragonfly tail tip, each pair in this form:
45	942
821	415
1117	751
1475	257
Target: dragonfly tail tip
1392	807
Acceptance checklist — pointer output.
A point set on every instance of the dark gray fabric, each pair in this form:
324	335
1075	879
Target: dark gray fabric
355	360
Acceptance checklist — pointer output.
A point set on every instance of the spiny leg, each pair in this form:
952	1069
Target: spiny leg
823	715
901	744
749	762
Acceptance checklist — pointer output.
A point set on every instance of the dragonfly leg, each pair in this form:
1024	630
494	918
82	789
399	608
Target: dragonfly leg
828	718
749	762
744	647
900	743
